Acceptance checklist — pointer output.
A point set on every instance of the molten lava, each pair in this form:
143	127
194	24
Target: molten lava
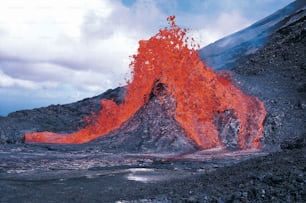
199	92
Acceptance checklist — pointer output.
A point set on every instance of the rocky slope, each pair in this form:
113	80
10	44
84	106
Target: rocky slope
151	130
224	53
276	73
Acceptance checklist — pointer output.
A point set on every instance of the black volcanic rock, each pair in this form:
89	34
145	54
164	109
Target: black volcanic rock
228	128
152	129
276	74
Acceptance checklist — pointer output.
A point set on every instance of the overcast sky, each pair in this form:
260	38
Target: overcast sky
61	51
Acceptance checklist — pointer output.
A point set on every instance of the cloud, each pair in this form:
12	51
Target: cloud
68	50
9	82
42	40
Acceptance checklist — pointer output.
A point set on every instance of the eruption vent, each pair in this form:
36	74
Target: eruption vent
209	107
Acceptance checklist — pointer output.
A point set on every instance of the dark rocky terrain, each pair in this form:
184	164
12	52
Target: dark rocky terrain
148	169
54	118
136	135
277	75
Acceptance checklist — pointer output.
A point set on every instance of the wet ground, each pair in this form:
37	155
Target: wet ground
69	173
48	173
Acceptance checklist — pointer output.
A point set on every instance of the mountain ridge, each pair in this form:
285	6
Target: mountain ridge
223	53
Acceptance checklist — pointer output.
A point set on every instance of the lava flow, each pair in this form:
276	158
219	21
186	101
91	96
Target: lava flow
200	95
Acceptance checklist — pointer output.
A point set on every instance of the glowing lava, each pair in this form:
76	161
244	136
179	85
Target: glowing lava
200	94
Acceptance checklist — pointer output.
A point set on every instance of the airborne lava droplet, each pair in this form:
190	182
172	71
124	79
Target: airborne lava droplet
200	94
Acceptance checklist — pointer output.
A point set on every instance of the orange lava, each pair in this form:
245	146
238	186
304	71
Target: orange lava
200	93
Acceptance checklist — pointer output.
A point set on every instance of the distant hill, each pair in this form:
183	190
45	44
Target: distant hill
224	53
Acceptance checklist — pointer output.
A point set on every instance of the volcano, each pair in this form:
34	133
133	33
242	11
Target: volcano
151	156
209	108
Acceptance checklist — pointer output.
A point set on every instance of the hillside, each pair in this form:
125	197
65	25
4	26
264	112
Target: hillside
223	54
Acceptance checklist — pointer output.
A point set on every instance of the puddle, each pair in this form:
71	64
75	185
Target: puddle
146	175
140	174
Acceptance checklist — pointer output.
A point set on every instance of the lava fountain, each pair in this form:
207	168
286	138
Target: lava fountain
170	58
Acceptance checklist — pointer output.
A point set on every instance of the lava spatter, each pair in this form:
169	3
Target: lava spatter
171	58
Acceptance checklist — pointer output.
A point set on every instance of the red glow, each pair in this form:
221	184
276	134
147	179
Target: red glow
199	92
